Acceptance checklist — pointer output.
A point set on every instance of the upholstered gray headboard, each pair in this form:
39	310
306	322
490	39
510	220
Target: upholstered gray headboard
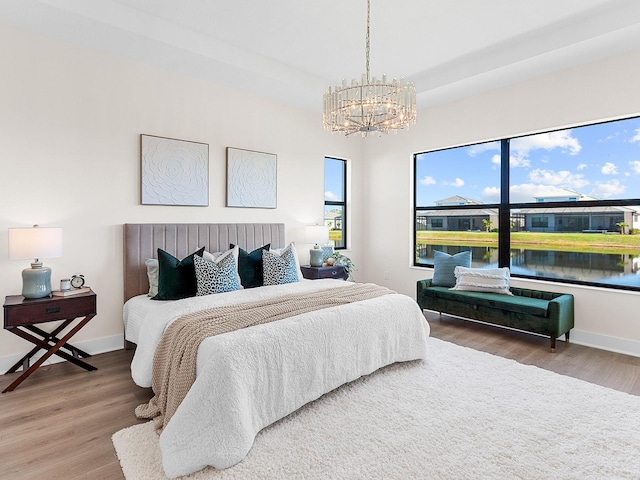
142	240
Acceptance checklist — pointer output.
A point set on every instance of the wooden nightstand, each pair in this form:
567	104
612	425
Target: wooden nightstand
21	315
315	273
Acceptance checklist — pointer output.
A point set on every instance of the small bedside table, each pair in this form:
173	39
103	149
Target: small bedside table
315	273
21	315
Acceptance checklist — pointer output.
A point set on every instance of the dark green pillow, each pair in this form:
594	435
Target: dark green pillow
177	278
250	266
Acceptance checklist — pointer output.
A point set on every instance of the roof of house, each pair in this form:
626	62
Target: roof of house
480	212
586	210
458	200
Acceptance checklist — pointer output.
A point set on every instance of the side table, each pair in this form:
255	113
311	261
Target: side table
315	273
21	316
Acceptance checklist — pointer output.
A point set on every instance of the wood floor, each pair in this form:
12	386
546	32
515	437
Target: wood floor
58	423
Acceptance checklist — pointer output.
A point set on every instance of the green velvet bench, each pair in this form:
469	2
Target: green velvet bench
534	311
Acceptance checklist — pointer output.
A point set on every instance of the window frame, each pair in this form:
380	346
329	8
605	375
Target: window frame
343	203
504	207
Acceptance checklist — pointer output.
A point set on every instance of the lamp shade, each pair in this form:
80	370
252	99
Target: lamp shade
316	234
35	242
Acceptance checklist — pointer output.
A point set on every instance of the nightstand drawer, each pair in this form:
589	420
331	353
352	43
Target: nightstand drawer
28	312
333	272
315	273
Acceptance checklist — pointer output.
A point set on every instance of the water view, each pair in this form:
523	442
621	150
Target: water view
607	268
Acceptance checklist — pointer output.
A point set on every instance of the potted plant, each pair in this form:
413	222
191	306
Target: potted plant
349	266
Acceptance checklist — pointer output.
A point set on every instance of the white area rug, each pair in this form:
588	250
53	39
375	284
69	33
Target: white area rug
461	414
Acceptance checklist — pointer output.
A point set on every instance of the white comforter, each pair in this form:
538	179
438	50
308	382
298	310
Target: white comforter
250	378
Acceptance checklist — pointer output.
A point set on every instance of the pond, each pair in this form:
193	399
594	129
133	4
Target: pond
606	268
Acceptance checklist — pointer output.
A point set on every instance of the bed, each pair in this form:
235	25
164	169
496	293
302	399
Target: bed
249	378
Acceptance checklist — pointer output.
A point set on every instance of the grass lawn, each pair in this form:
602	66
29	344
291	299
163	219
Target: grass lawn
583	242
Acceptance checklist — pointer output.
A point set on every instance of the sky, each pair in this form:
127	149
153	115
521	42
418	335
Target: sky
601	161
333	182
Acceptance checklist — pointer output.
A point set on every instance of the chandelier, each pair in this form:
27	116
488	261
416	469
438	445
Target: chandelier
371	105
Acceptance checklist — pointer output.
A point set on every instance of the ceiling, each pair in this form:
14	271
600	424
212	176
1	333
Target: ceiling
291	50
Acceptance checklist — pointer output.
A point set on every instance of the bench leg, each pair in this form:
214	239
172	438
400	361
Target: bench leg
553	344
566	337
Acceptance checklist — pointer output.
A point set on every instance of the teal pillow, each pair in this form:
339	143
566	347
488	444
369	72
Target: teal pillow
445	264
176	278
250	266
216	277
280	268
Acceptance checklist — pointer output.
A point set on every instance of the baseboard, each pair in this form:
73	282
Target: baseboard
581	337
605	342
95	346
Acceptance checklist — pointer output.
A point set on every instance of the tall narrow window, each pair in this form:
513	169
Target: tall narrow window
335	200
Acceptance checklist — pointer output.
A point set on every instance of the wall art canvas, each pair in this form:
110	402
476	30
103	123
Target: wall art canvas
251	179
174	172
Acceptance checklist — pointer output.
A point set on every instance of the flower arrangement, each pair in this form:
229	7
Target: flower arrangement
340	259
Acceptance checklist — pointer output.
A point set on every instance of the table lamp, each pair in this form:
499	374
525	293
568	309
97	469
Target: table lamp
37	243
316	234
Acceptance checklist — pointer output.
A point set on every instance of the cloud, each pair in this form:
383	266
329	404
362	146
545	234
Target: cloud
635	166
514	161
547	141
519	161
609	169
331	197
581	166
474	150
614	135
458	182
526	192
563	178
607	189
427	181
636	137
491	194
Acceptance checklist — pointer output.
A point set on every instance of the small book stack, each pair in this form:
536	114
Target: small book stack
71	291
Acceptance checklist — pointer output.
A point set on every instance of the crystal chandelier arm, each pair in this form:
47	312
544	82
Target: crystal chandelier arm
368	48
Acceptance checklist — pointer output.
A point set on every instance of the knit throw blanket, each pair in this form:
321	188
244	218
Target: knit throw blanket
174	363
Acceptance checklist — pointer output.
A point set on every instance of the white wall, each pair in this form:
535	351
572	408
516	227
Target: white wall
607	89
70	125
70	120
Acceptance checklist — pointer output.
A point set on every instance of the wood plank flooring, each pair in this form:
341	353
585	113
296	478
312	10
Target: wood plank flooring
58	423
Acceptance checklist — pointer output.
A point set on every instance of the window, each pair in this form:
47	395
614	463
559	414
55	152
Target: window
539	222
561	205
335	200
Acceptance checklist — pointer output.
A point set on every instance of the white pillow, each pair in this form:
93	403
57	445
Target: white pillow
491	280
153	272
278	251
216	257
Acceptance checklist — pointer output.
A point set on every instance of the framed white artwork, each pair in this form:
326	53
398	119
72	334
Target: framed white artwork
251	179
174	172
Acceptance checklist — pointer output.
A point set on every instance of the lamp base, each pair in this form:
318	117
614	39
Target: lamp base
315	257
36	281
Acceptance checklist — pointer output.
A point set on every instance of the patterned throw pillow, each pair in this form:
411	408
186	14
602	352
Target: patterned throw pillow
216	277
292	246
215	257
280	268
444	264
